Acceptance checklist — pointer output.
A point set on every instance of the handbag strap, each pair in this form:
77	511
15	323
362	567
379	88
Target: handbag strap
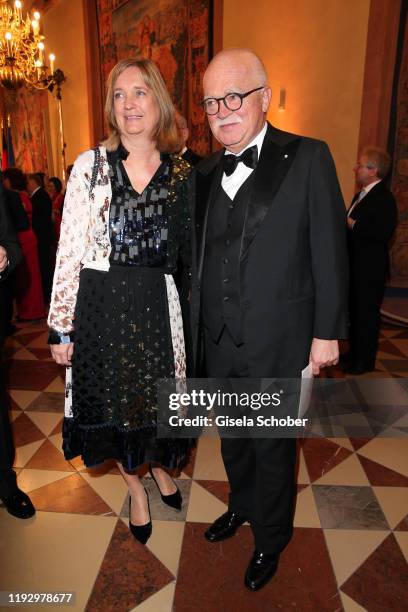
95	170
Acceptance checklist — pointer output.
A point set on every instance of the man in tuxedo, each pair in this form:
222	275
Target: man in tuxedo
371	222
43	229
270	283
15	500
186	153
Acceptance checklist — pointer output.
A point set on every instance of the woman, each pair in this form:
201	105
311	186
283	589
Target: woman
54	188
28	287
114	314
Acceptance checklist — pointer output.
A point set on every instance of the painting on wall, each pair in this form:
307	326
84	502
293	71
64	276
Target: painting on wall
175	34
28	110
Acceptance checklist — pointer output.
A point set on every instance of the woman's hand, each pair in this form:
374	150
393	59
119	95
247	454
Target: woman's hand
62	353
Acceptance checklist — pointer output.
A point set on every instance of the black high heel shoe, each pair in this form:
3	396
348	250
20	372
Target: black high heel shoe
141	532
174	500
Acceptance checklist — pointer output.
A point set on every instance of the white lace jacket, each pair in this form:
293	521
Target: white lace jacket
84	241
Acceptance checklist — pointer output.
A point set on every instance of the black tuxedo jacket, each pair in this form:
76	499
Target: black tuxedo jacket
8	240
376	218
293	257
42	217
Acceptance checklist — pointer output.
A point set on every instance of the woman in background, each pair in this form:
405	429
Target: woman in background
28	288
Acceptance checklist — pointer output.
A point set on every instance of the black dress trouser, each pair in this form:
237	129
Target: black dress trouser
261	471
8	483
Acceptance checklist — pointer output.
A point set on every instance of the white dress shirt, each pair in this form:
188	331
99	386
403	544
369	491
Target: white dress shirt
233	182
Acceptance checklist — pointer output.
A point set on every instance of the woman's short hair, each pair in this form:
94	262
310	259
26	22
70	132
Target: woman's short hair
165	134
17	178
56	182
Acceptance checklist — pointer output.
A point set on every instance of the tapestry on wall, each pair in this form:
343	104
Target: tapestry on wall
173	33
28	126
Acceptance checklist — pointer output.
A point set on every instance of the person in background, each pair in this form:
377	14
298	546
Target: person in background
54	188
183	132
28	288
15	501
371	221
43	228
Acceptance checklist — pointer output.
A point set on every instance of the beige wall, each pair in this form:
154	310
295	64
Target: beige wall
315	49
65	36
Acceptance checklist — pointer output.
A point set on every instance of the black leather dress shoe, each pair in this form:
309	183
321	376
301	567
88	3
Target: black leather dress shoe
261	568
19	505
224	527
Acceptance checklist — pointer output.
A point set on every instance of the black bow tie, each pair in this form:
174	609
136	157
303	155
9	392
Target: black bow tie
249	157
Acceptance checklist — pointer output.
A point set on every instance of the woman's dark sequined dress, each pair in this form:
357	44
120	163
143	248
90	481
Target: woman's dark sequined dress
123	339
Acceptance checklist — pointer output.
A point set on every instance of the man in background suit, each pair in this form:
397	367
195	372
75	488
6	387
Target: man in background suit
269	286
186	153
43	229
15	500
371	222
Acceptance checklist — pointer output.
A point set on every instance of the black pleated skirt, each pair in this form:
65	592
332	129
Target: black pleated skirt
123	345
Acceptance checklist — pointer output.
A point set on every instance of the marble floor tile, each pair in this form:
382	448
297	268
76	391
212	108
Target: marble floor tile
25	431
348	508
23	398
129	574
394	503
45	421
24	453
57	385
188	467
30	480
23	353
110	487
203	506
322	455
48	457
162	601
48	402
380	583
349	472
71	494
403	525
40	341
219	488
306	514
43	354
27	338
41	556
392	453
350	605
298	584
31	375
165	543
390	348
395	365
208	463
402	539
349	548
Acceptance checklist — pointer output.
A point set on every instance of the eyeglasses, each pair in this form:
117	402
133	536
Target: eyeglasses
232	101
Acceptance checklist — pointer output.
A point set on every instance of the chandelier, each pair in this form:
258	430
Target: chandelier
22	51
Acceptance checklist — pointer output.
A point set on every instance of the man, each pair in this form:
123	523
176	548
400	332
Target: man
16	502
371	222
43	229
270	293
186	153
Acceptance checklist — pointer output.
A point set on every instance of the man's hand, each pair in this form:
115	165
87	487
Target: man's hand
62	353
3	259
323	353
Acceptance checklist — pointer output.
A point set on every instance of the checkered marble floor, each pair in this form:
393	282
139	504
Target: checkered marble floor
349	550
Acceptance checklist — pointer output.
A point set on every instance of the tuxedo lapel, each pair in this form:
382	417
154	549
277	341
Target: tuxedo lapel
275	160
208	181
